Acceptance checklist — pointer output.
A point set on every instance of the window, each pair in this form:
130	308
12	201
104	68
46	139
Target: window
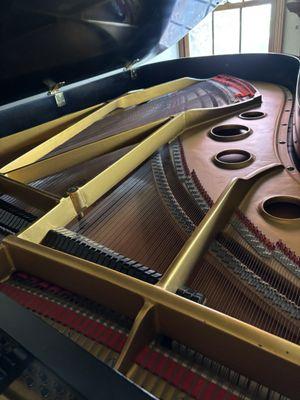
238	26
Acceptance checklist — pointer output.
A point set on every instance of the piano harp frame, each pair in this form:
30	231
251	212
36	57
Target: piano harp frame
14	144
155	308
129	99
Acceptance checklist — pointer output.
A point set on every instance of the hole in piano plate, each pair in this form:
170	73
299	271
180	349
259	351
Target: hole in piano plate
252	115
230	132
233	159
282	207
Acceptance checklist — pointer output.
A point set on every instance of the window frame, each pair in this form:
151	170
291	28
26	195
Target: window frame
276	24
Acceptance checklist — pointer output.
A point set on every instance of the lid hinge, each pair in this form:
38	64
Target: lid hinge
129	67
54	90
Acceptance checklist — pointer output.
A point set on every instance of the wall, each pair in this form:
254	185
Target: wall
291	34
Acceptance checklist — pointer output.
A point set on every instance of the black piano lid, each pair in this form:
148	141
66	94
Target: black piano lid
71	40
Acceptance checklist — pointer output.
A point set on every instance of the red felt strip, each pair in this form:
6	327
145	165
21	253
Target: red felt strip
161	364
179	376
211	389
233	397
221	395
237	84
189	382
142	357
198	388
82	324
169	372
151	361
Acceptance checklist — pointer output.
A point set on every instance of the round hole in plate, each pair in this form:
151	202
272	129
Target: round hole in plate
290	168
233	159
282	208
230	132
252	115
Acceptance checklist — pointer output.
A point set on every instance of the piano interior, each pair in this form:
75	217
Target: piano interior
159	231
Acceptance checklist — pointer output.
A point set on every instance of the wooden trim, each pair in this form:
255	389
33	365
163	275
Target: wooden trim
184	47
213	32
242	4
240	26
276	24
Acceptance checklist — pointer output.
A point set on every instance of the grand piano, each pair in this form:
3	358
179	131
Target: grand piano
149	213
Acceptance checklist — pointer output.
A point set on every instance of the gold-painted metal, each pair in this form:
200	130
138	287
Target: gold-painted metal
53	265
233	165
214	334
128	100
213	133
111	176
280	220
98	186
91	280
77	200
213	222
14	145
68	159
60	215
142	332
54	164
6	263
195	117
175	126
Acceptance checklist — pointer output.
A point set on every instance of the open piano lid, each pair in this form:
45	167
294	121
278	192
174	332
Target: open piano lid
71	40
